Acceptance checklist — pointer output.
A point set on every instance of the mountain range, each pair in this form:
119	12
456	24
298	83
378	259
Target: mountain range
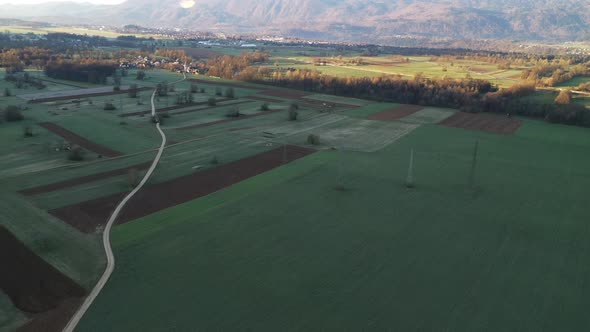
353	20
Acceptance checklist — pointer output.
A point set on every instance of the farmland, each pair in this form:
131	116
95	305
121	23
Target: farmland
405	67
247	225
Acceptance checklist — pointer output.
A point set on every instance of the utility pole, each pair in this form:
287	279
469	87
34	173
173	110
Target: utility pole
410	178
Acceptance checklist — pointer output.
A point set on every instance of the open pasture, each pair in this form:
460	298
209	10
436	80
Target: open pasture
369	253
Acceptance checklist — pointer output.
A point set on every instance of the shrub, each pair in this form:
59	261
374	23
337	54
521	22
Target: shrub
313	139
116	88
214	160
28	131
202	90
233	113
212	101
194	88
13	113
140	75
133	91
218	91
293	114
7	92
264	107
229	93
76	153
109	106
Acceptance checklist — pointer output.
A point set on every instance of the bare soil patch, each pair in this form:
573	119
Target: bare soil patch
480	70
36	287
79	140
396	112
270	100
484	122
207	124
201	52
87	216
81	180
78	94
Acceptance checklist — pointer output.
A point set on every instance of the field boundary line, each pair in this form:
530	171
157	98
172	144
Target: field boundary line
106	235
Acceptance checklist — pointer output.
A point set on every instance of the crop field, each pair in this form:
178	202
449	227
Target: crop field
249	224
410	66
372	255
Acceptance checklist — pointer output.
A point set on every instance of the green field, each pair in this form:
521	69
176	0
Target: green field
333	241
390	65
286	251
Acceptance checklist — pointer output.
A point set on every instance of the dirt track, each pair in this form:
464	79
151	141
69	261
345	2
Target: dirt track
490	123
81	180
87	216
34	286
79	140
396	113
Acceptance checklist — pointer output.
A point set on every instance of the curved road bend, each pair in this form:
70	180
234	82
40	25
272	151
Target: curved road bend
106	236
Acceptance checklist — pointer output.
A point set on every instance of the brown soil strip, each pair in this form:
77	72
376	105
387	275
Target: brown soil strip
210	108
171	108
396	113
79	140
289	94
480	70
86	95
495	124
240	129
33	285
315	103
53	320
207	124
270	100
226	84
87	216
81	180
201	53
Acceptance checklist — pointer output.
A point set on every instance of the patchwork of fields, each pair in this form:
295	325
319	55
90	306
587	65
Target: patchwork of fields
247	226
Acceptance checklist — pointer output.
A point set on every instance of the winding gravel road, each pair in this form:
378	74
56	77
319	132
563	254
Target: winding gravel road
106	237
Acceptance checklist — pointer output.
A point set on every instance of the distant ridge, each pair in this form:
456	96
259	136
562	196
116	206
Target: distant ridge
353	20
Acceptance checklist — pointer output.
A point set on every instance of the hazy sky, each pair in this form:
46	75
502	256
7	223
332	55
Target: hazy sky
20	2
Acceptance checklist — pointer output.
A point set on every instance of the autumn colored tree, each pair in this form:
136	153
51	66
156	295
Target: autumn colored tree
564	97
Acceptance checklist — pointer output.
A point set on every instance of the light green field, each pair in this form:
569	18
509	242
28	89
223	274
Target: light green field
46	30
286	251
387	65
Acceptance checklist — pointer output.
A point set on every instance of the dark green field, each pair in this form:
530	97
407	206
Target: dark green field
287	251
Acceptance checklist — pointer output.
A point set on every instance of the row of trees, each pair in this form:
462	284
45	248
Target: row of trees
88	71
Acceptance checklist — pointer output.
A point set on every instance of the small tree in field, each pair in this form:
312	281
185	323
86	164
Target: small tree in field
7	92
218	91
264	107
140	75
133	91
108	106
76	153
564	97
212	101
293	113
229	93
13	113
194	88
313	139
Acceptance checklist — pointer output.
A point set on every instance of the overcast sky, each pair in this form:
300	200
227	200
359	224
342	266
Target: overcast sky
20	2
